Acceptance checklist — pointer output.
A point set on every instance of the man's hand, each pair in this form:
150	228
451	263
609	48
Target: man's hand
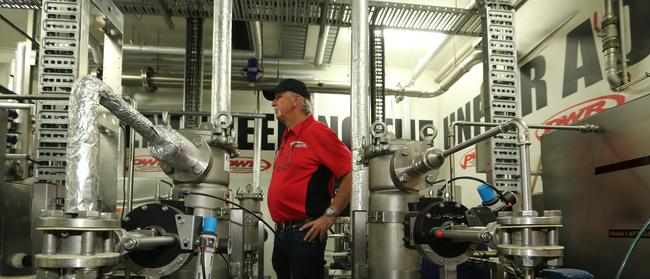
318	227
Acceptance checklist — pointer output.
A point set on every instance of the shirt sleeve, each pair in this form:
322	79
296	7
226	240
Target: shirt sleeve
333	153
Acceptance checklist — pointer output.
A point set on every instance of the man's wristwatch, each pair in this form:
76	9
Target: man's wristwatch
330	212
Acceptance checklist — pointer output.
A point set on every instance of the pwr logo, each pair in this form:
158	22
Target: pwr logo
469	159
581	111
146	163
245	165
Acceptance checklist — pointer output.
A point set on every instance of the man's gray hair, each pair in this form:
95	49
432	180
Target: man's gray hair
306	103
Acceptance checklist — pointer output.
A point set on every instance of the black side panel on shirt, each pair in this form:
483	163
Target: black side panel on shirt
318	194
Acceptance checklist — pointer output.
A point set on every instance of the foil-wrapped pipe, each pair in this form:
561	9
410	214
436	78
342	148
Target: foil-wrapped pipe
82	179
166	145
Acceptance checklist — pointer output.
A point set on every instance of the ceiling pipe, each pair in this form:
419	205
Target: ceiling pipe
465	51
165	50
313	84
323	33
256	34
610	45
429	56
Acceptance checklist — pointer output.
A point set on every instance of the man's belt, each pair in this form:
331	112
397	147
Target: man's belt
293	224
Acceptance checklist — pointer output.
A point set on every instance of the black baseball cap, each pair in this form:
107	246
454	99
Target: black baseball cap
289	84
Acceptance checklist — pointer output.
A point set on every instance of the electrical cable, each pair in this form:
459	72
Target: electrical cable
203	260
629	251
475	179
227	263
235	204
123	181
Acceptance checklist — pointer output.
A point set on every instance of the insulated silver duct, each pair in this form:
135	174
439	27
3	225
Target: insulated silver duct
164	50
359	100
221	60
610	45
166	145
82	178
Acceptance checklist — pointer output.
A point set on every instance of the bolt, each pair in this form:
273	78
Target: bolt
179	260
430	179
180	220
144	207
130	243
165	208
161	272
197	140
404	178
405	151
485	237
186	241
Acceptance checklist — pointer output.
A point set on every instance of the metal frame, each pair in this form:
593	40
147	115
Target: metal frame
446	20
501	87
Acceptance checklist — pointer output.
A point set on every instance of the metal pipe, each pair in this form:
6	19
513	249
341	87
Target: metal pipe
359	105
16	157
257	145
166	145
429	56
473	234
623	40
256	33
164	50
323	33
33	97
93	47
221	59
320	45
610	43
16	106
129	205
634	81
464	52
82	176
148	242
586	128
359	102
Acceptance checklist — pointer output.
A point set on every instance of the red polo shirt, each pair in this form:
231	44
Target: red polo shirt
309	158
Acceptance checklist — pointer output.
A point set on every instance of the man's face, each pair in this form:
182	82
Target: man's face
284	104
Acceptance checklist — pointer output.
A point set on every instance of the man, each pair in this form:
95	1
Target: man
309	158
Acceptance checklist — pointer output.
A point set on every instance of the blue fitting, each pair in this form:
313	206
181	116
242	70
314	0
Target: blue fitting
210	224
488	195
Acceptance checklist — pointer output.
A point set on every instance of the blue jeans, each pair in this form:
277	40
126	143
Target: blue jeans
295	258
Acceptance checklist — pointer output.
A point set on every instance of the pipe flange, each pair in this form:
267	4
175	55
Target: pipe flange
76	261
84	221
198	171
402	159
536	251
441	251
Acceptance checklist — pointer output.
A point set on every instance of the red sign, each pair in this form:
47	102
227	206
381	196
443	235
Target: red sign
146	163
469	159
581	111
245	165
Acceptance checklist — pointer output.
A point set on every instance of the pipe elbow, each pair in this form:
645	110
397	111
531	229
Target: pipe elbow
523	133
613	79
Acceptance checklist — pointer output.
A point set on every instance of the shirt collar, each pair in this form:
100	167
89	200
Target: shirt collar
296	130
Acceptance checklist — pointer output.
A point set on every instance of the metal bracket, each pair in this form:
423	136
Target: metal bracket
188	227
386	216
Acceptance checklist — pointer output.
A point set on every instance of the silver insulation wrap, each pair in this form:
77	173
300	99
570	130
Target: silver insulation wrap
221	58
166	145
82	179
359	101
